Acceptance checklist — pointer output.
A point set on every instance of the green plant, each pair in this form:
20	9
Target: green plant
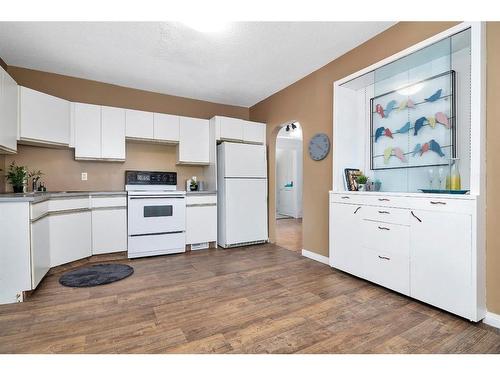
16	175
361	179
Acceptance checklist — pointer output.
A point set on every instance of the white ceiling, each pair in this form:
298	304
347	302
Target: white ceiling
241	65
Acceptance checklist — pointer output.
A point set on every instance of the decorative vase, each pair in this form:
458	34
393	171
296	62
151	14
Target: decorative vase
455	183
377	185
18	189
361	187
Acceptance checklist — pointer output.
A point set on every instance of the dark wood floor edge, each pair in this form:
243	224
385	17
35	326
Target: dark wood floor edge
109	257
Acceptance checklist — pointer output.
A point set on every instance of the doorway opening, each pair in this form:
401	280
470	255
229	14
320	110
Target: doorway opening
289	187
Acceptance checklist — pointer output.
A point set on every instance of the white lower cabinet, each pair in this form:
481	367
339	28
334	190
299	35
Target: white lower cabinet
425	250
108	238
441	260
201	219
40	249
70	236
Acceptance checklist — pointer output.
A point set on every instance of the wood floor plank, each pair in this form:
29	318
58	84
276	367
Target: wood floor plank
257	299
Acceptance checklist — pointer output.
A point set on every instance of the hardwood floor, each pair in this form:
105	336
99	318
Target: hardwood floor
289	234
259	299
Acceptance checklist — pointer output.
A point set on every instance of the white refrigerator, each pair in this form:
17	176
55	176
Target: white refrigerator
241	194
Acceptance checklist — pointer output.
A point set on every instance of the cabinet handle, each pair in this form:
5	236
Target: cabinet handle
384	228
345	197
437	202
384	212
384	258
357	209
384	199
416	217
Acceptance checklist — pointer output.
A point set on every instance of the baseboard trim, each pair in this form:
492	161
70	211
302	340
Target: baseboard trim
492	319
315	256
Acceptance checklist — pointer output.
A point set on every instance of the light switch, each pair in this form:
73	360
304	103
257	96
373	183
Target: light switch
84	176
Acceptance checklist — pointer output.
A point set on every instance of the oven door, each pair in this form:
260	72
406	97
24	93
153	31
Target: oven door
155	214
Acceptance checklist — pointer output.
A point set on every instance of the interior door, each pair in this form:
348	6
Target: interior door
243	160
246	210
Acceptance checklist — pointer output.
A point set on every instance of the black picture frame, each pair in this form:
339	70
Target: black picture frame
350	178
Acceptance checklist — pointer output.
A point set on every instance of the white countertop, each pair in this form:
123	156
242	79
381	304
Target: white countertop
43	196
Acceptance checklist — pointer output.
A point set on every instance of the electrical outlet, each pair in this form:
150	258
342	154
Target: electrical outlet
84	176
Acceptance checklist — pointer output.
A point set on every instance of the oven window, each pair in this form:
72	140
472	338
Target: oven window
157	211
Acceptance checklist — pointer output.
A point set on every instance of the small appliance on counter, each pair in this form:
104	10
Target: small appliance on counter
156	214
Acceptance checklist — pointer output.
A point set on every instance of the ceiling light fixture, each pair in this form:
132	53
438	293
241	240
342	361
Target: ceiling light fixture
206	25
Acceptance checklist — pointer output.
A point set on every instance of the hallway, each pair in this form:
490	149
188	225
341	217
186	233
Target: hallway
289	234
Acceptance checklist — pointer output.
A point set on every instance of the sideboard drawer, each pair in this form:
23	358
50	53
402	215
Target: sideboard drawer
393	238
387	269
463	206
370	199
385	214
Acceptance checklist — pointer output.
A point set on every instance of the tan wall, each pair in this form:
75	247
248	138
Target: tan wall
62	172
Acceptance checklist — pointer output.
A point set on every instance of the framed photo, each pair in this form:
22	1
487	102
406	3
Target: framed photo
350	178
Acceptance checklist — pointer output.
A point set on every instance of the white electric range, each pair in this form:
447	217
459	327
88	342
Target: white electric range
156	214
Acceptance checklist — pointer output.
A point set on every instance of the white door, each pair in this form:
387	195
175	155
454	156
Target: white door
229	129
8	112
254	132
246	210
194	141
87	118
44	118
201	223
242	160
108	238
441	260
113	133
166	127
139	124
40	250
345	244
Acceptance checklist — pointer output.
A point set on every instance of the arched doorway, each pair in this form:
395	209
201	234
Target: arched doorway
289	186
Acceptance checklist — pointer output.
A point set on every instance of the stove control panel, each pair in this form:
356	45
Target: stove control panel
150	178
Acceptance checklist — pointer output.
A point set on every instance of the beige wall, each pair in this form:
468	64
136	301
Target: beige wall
62	172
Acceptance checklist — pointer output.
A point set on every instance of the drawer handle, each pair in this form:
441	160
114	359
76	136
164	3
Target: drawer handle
384	199
416	217
345	197
384	228
437	202
384	258
384	212
357	209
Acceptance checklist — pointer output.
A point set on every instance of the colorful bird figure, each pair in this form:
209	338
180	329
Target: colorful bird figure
432	121
388	133
404	129
434	146
425	148
410	104
387	154
443	119
399	154
417	149
402	105
379	132
390	107
379	110
434	96
418	125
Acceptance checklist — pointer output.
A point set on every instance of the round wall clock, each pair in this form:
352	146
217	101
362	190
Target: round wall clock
319	146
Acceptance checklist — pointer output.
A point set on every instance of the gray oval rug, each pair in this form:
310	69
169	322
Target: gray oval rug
98	274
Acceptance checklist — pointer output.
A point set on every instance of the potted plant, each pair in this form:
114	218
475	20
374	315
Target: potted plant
361	180
16	176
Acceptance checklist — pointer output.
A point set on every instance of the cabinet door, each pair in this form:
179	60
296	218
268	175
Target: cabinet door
254	132
44	118
166	127
230	129
194	141
87	131
139	124
109	238
8	112
113	133
345	247
70	237
201	223
441	260
40	250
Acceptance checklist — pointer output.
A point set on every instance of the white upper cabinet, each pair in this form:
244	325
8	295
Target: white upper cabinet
166	127
44	118
8	113
139	124
99	132
237	130
87	119
194	141
254	132
113	133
